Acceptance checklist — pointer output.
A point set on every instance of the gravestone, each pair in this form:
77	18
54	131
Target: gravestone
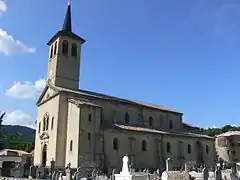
125	169
234	172
205	173
40	172
78	174
68	172
94	173
52	166
113	172
60	176
168	164
186	167
32	172
218	174
75	173
174	175
53	175
26	167
57	175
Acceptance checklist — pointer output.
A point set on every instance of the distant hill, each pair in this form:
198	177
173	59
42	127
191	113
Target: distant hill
24	132
17	137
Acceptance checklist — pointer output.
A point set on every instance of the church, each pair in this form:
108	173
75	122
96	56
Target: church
82	127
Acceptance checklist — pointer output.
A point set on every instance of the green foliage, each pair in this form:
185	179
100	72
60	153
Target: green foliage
14	140
17	141
1	119
216	131
1	135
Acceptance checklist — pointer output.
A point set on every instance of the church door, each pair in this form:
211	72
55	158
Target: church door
44	155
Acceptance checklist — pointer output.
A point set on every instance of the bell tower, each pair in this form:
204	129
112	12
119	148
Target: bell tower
64	56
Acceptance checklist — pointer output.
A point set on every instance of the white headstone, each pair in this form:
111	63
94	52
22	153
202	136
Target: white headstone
125	169
167	164
174	175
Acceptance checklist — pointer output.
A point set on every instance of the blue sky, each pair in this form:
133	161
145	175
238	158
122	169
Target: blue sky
182	54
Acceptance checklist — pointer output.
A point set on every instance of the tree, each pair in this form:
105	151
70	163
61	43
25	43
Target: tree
1	118
216	131
1	136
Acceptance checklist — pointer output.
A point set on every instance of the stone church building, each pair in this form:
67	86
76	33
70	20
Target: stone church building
82	127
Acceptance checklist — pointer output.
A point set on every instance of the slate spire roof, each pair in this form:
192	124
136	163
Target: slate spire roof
66	28
67	25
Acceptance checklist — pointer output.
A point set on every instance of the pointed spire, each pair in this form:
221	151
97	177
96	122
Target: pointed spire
67	28
67	25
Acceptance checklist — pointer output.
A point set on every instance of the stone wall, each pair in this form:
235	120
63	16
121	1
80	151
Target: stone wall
228	147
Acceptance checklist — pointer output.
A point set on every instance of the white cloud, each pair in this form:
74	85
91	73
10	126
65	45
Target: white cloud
11	46
3	6
26	90
19	117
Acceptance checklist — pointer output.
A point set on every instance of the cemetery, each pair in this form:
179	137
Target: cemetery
106	126
126	173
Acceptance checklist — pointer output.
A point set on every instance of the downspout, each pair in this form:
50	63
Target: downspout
94	136
80	136
103	159
162	154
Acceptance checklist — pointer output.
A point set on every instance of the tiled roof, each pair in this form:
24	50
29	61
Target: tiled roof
20	152
154	106
107	97
155	131
230	133
190	126
78	102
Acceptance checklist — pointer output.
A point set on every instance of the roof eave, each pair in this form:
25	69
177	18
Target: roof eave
63	33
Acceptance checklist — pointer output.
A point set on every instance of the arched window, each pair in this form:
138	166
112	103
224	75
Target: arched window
71	145
45	122
115	144
44	125
170	124
55	48
150	121
168	147
74	50
207	149
89	136
144	145
89	117
52	123
234	153
51	52
65	47
39	127
126	117
189	149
